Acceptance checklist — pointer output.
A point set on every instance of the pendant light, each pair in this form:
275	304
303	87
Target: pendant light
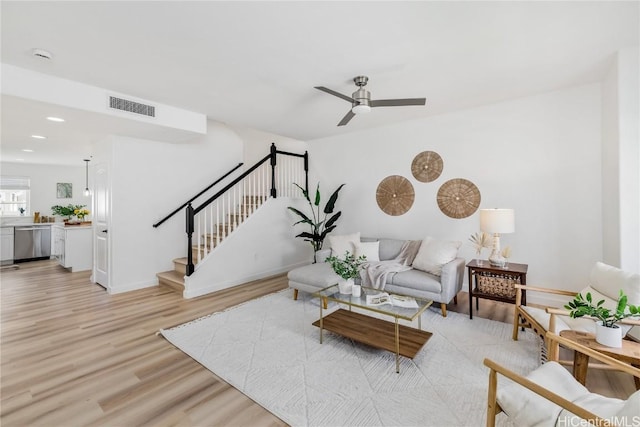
87	193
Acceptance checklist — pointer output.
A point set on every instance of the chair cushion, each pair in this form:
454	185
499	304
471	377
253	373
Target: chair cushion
340	244
526	408
320	275
604	407
608	281
434	253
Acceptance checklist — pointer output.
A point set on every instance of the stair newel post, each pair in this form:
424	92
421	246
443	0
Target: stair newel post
306	171
190	228
273	169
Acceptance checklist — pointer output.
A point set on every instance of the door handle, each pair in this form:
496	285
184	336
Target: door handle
105	231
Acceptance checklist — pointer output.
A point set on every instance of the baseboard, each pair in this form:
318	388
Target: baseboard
214	287
133	286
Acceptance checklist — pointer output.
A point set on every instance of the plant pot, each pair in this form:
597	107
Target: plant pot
611	337
345	286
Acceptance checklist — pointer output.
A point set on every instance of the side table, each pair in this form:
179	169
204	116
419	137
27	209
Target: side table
628	353
511	273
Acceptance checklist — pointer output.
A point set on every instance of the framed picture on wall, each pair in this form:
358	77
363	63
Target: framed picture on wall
64	190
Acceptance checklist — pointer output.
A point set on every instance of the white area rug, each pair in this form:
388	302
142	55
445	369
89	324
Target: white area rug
268	349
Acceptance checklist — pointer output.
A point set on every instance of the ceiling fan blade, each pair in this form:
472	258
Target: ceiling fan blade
346	118
397	102
334	93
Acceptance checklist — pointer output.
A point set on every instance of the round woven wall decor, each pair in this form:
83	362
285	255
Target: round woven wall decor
458	198
427	166
395	195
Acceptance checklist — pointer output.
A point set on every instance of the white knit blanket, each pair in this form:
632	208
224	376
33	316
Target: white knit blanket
375	273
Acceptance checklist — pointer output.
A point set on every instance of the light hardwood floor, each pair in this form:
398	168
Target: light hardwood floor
71	354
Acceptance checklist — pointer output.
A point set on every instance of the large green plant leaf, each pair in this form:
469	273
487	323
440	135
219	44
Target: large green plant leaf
304	192
304	217
328	208
332	220
317	200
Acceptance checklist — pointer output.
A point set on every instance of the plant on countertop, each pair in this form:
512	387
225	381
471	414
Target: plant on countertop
319	227
81	213
583	306
349	267
66	210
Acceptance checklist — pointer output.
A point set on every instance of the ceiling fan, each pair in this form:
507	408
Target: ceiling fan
361	101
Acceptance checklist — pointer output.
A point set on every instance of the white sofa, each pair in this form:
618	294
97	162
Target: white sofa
420	284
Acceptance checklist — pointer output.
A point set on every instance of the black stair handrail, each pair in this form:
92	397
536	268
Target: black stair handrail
190	211
157	224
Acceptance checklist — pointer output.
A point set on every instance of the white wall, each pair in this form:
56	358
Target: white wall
621	162
539	155
629	110
43	185
262	246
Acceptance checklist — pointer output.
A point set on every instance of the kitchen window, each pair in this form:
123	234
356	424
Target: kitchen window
14	195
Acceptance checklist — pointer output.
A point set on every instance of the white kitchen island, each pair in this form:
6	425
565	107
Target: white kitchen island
73	246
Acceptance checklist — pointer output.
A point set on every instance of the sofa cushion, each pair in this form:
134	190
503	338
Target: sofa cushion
341	244
371	250
320	275
416	279
390	248
434	253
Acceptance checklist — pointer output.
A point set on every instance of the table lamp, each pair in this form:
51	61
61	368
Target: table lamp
496	222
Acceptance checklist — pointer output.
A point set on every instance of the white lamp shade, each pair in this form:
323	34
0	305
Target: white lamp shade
497	221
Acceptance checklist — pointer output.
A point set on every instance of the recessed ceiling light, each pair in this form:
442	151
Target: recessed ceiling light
27	150
55	119
38	137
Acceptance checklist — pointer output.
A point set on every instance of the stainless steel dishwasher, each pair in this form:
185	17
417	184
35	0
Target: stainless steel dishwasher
32	242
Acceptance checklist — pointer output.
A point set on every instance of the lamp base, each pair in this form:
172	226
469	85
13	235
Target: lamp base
496	259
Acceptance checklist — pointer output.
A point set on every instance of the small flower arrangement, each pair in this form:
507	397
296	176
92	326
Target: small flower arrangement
480	240
81	213
349	267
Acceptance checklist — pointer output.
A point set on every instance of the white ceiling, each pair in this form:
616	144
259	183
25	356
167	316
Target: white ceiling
254	64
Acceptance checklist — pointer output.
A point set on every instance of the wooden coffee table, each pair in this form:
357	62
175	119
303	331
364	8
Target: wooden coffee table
628	353
399	339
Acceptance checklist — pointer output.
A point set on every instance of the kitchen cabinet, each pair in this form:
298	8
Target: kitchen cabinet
6	245
73	247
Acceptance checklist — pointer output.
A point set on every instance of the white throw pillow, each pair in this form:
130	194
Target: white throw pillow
340	244
369	249
433	254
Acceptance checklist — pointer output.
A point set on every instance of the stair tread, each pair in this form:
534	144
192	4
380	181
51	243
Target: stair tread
172	276
182	260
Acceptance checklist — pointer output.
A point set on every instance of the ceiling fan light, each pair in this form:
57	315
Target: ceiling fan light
360	109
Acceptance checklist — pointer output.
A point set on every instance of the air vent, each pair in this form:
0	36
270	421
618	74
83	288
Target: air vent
132	107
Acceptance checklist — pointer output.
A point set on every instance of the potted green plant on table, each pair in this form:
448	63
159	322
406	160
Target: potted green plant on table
607	331
348	268
319	226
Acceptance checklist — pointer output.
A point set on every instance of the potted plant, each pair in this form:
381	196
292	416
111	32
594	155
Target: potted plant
348	268
66	211
607	331
319	228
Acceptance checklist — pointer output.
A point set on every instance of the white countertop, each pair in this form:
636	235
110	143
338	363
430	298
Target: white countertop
27	224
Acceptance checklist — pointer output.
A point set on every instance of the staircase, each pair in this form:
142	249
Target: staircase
174	279
208	224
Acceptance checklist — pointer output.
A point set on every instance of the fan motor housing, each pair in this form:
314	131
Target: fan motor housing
361	97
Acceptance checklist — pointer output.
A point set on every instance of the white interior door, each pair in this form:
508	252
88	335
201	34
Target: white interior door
101	215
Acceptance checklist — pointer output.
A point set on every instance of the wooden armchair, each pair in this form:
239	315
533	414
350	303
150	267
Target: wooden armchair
605	282
550	396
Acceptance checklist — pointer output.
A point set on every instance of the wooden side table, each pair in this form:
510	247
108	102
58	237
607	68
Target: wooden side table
512	272
628	353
